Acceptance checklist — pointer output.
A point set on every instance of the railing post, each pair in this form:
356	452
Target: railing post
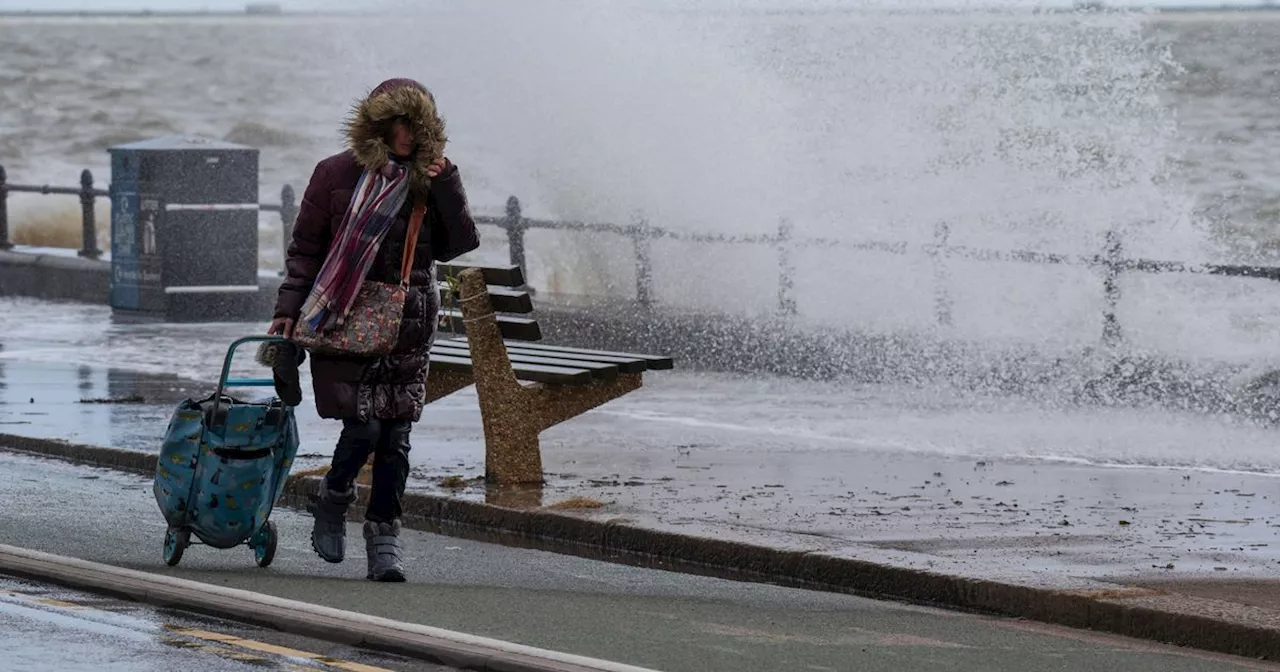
515	226
786	269
288	215
89	234
1112	262
5	242
644	263
941	276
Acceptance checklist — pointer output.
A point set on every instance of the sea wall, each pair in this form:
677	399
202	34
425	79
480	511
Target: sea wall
58	276
54	277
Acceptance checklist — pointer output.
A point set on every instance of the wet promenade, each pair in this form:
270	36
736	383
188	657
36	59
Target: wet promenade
657	619
991	486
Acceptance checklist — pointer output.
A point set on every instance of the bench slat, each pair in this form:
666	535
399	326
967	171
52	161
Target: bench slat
601	370
514	328
449	364
636	364
624	364
504	300
655	362
506	276
551	375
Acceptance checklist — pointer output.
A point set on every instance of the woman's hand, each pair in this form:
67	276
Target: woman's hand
282	326
438	167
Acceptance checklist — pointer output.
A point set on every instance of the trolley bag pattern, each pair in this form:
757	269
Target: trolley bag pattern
222	467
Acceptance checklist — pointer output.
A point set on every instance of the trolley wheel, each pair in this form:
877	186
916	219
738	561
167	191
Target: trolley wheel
175	542
264	544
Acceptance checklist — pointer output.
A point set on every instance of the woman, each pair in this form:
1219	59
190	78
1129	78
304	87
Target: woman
395	154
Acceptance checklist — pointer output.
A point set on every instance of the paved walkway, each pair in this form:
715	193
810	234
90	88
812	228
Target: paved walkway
663	620
973	485
659	459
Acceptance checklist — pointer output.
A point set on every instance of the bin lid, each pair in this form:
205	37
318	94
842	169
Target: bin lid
179	141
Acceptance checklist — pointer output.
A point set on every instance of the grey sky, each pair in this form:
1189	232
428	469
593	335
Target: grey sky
236	5
112	5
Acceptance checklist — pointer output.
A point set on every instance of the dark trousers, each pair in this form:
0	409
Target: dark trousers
388	441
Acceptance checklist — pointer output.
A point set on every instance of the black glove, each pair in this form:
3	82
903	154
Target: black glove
284	358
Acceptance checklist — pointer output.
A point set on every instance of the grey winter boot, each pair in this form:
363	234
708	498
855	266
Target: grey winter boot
382	542
329	531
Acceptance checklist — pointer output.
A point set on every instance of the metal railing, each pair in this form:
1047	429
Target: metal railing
1110	260
87	193
287	207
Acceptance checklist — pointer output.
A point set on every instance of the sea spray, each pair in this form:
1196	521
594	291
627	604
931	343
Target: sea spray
1016	130
606	112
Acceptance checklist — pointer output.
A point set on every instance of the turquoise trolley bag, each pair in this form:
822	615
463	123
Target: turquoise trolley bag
223	466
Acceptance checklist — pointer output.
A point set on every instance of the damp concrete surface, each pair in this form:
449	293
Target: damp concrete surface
972	484
647	617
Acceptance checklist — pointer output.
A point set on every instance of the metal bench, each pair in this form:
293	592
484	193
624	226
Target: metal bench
488	339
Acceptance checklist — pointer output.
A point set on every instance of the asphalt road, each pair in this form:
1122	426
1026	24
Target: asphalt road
46	628
645	617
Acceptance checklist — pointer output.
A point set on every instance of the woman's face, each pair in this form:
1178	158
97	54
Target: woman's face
401	137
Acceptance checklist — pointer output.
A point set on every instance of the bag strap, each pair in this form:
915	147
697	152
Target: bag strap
411	242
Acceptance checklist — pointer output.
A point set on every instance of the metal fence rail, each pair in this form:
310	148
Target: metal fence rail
1110	260
87	193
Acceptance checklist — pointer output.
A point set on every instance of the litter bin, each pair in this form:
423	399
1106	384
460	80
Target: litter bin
184	230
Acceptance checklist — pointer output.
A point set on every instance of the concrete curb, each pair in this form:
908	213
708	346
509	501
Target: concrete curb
93	456
440	646
1200	623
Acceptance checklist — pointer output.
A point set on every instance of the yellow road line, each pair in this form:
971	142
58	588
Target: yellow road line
59	603
274	649
224	652
26	597
230	640
219	651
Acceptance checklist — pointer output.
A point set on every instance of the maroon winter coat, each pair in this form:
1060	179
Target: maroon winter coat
391	387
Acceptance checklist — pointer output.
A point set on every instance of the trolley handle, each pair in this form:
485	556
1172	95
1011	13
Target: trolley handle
225	381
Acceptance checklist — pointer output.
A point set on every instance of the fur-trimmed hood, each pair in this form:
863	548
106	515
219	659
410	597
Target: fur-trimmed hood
367	127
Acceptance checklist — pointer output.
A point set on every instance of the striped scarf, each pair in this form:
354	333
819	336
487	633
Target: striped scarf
373	208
